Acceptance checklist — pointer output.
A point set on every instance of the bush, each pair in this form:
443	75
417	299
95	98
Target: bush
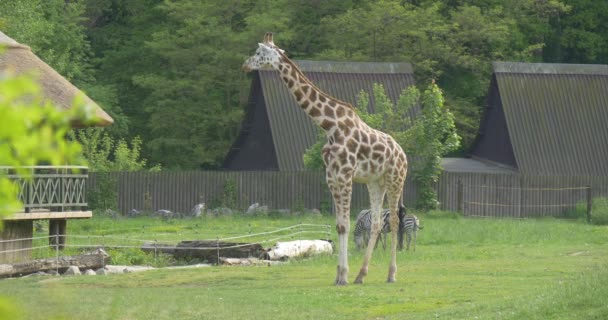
599	211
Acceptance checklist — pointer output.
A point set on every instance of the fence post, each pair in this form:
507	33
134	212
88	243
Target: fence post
589	204
460	195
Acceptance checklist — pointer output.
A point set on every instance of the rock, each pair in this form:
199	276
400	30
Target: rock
198	210
89	272
165	214
52	273
37	274
111	213
72	271
256	209
222	212
252	208
134	213
101	272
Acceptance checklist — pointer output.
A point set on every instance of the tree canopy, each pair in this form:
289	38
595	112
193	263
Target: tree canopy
168	71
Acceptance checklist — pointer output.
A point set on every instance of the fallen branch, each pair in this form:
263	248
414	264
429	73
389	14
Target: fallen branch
94	260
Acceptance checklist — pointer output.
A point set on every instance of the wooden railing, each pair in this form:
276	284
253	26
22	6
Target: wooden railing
56	188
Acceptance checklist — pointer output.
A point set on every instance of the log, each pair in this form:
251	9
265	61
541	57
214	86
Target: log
206	250
94	260
298	248
212	250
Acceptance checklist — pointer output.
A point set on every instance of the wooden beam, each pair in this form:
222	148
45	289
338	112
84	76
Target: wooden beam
51	215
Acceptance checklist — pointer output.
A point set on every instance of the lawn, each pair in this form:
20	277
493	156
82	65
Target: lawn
462	269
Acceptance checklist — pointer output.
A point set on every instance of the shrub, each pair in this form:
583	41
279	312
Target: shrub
599	211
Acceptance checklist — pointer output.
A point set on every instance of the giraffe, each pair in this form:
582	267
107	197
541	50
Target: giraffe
354	152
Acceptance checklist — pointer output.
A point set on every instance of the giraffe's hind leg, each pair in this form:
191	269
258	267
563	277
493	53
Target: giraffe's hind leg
393	200
376	197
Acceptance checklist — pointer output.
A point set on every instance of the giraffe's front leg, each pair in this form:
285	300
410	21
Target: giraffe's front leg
341	193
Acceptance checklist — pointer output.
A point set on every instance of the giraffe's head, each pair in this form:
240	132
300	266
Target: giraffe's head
267	56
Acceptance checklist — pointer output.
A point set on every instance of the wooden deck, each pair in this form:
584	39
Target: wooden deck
53	193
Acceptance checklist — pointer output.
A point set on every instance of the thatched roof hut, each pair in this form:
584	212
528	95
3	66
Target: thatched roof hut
19	58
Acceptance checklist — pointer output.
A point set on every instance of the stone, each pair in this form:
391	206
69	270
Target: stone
89	272
72	271
101	272
134	213
222	212
198	210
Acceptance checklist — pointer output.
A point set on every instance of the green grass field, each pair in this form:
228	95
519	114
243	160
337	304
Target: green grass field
462	269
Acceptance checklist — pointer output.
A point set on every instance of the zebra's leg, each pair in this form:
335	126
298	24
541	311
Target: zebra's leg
408	234
376	197
415	235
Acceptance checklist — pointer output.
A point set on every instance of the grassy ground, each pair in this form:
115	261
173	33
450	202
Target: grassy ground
462	269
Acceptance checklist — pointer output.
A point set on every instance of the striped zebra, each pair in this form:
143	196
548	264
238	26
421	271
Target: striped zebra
409	225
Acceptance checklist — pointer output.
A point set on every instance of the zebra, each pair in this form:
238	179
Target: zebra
363	227
409	225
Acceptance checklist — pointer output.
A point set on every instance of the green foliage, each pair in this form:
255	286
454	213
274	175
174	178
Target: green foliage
229	196
168	71
433	136
105	155
599	211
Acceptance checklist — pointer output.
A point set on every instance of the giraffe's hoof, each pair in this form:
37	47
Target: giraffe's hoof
391	280
359	279
340	282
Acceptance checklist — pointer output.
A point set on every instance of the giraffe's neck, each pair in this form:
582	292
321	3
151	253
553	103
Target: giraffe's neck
323	109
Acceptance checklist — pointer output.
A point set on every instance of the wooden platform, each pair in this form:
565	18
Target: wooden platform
46	215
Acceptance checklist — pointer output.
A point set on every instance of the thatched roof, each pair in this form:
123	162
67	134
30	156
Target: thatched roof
20	59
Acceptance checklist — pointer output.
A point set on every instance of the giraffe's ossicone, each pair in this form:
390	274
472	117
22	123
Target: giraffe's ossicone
354	152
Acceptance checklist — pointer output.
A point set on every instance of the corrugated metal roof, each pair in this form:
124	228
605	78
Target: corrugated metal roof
292	130
557	117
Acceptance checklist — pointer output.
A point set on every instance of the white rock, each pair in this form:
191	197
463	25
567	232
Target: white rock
89	272
72	271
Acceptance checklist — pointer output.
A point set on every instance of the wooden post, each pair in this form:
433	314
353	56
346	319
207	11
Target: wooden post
57	233
460	195
589	204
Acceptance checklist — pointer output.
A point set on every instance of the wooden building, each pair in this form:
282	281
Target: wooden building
542	144
53	193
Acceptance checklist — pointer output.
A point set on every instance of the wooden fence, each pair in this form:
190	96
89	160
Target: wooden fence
516	195
181	191
479	194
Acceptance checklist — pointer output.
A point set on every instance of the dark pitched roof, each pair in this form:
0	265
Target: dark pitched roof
556	116
292	130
